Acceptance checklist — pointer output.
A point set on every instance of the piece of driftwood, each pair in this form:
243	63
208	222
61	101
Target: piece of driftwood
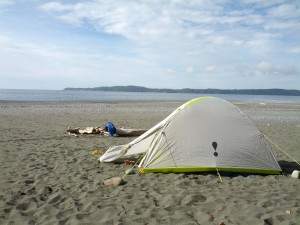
121	132
87	130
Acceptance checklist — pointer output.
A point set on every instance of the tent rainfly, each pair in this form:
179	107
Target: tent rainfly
204	134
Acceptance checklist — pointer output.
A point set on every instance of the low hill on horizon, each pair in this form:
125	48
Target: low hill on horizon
132	88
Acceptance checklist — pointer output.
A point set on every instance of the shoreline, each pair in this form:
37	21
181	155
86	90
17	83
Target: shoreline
102	96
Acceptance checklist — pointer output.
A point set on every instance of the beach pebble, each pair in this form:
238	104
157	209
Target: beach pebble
114	181
296	174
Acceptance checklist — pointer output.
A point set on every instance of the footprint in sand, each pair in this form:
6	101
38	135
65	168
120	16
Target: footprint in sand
55	199
30	204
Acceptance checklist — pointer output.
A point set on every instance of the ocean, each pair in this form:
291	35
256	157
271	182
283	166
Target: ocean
61	95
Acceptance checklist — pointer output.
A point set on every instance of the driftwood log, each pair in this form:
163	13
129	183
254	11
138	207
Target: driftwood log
88	130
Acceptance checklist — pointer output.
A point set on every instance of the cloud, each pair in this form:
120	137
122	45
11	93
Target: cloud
270	69
11	46
194	27
56	7
4	3
295	50
172	71
135	19
60	66
266	68
133	40
129	19
284	11
289	70
210	69
189	69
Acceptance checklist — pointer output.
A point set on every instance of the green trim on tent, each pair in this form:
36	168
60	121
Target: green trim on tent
196	99
208	169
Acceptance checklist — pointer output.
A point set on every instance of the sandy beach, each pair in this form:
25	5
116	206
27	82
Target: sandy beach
49	177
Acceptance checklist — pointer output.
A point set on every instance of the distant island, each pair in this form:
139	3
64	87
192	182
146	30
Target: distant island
132	88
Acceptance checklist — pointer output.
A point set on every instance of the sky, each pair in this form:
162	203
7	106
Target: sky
176	44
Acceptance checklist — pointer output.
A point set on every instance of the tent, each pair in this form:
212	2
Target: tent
204	134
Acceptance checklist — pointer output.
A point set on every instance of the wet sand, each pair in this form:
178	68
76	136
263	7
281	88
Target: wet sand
48	177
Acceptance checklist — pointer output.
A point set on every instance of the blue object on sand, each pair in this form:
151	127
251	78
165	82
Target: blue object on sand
110	128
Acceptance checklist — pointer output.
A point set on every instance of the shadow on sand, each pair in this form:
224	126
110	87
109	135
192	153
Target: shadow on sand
288	167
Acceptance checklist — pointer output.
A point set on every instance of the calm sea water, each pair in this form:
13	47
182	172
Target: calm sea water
60	95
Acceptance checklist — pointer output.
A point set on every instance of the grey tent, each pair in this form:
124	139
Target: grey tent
204	134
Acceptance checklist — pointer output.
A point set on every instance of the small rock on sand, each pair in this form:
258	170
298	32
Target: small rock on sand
296	174
114	181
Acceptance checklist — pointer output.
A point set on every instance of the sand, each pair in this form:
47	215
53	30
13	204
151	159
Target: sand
48	177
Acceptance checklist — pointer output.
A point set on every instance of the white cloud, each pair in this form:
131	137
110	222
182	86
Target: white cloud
266	67
134	19
285	69
134	39
11	46
171	71
285	10
189	69
263	3
56	7
295	50
4	3
281	25
210	69
3	40
289	70
179	24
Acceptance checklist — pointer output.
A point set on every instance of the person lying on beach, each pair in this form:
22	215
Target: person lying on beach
122	132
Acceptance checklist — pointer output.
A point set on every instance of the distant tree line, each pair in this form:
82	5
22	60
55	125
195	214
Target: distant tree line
132	88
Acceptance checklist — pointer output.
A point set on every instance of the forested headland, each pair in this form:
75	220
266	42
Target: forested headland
132	88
